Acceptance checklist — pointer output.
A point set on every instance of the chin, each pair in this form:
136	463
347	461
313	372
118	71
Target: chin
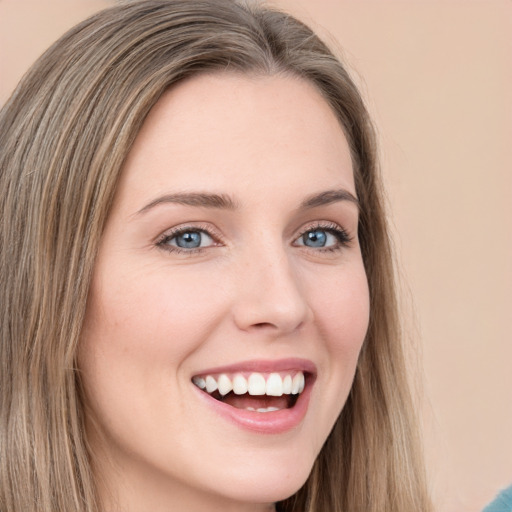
268	484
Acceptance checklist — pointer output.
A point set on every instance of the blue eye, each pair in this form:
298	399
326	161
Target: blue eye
324	238
188	239
316	238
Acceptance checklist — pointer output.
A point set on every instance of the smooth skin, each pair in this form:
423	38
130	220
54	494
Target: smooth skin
261	274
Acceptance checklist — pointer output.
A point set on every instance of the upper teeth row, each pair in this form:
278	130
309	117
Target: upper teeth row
256	384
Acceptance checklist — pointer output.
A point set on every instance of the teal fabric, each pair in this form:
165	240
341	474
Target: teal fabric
502	503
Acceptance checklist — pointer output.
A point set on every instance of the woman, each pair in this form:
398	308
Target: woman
198	305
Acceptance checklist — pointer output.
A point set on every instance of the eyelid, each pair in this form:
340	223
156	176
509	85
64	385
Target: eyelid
342	234
168	234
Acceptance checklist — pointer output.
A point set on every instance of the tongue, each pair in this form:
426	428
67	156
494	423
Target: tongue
256	402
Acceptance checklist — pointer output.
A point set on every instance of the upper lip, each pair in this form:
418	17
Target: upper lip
264	366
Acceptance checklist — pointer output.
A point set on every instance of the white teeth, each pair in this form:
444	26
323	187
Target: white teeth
225	385
199	382
256	385
287	385
298	383
262	409
274	385
239	385
302	382
211	384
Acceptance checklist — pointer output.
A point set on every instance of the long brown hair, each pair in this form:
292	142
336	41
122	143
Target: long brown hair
64	135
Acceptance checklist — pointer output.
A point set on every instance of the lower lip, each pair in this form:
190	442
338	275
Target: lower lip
274	422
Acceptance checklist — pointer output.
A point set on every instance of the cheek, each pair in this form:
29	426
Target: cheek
342	317
152	315
342	313
139	331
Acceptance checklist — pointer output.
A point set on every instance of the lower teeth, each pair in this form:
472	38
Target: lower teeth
262	409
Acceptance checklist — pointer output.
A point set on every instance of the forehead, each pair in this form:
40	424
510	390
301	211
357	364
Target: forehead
235	130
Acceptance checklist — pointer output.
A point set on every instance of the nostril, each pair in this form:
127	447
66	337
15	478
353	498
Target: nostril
262	325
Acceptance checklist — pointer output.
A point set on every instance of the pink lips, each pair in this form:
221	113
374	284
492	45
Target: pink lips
265	366
273	422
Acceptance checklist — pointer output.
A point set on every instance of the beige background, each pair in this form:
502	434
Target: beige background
438	77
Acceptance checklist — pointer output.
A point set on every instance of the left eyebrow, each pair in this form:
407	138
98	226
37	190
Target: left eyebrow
328	197
201	200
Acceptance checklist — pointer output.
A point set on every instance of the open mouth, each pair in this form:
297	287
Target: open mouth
259	392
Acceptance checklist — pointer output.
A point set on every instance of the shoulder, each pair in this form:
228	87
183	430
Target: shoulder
502	503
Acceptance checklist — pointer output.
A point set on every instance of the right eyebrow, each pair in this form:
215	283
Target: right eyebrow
328	197
203	200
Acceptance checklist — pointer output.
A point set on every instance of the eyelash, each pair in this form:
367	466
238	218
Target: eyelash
338	232
163	241
342	236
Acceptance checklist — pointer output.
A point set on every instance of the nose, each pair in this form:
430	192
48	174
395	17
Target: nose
270	295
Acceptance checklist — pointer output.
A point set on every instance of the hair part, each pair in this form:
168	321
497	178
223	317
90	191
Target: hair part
65	134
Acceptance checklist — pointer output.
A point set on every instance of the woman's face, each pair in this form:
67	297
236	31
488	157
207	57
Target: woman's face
230	259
